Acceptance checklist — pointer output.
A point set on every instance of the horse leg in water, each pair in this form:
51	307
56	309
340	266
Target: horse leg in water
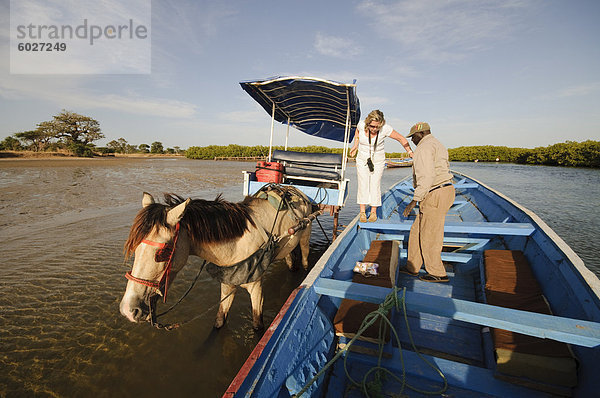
256	296
305	246
227	293
289	260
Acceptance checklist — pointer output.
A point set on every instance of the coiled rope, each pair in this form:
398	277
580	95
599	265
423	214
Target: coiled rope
391	300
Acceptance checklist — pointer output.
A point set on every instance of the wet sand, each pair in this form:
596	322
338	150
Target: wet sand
58	160
35	192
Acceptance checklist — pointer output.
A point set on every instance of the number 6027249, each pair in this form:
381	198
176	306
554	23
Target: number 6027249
41	46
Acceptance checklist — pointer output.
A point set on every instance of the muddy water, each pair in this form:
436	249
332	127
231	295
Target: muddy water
63	224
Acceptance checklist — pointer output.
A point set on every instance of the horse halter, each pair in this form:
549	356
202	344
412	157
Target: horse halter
165	252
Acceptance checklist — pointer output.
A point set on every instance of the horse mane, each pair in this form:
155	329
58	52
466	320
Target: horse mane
206	221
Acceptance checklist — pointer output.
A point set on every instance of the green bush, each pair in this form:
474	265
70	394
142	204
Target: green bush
570	153
81	150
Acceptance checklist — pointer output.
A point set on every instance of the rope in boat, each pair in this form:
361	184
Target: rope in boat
391	300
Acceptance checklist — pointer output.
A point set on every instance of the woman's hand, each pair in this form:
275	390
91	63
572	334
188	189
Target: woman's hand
353	152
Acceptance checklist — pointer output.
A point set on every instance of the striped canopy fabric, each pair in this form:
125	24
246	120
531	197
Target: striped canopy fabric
314	106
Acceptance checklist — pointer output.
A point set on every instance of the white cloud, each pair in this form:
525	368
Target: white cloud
257	115
368	102
189	24
71	95
436	30
578	91
335	46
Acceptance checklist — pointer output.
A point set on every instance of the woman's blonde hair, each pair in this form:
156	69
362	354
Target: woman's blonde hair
376	116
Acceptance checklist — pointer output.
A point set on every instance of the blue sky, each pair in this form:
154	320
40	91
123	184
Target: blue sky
520	73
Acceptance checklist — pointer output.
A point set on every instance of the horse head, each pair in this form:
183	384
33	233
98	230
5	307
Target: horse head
161	249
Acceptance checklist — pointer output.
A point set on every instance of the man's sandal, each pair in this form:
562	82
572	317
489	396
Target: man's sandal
433	278
404	270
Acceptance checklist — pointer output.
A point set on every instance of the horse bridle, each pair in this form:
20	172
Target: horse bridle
160	256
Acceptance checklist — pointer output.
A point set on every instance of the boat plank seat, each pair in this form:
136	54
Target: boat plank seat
534	362
484	228
572	331
309	165
351	313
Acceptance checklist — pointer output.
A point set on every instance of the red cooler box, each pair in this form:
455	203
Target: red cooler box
269	172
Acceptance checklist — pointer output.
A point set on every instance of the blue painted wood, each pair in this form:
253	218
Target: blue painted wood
484	228
460	286
441	334
567	330
466	185
447	256
468	245
326	196
460	185
298	362
465	380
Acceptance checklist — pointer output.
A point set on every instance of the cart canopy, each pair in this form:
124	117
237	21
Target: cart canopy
317	107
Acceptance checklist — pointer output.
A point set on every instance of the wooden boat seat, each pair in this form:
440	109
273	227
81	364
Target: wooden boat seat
351	313
308	165
483	228
543	364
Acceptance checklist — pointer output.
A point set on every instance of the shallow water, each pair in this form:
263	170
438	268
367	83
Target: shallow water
63	226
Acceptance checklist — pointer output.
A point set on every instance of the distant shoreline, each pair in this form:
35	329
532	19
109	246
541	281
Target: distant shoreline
54	159
31	155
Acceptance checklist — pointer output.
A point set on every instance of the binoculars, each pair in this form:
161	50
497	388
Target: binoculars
370	165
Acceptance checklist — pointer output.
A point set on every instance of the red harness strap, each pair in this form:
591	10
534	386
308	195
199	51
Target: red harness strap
164	280
141	281
151	243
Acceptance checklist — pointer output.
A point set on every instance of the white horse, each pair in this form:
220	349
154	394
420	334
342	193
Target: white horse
220	232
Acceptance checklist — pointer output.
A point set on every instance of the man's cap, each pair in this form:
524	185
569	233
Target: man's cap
417	128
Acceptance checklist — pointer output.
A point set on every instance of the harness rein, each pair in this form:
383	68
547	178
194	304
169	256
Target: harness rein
164	249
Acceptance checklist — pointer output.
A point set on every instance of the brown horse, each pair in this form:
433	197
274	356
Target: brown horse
222	233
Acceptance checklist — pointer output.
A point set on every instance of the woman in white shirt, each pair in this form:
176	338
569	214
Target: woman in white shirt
369	142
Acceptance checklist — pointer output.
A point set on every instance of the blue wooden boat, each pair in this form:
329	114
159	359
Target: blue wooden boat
447	333
406	162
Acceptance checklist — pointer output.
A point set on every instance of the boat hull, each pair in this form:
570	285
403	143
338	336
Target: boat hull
448	324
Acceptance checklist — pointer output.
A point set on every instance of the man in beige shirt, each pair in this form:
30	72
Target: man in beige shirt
434	191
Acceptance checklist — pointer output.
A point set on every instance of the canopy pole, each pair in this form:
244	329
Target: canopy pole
287	134
346	135
272	128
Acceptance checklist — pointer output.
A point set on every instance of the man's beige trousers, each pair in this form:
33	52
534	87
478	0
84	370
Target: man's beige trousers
427	232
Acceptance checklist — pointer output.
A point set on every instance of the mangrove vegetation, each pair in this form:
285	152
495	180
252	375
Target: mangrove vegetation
570	153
